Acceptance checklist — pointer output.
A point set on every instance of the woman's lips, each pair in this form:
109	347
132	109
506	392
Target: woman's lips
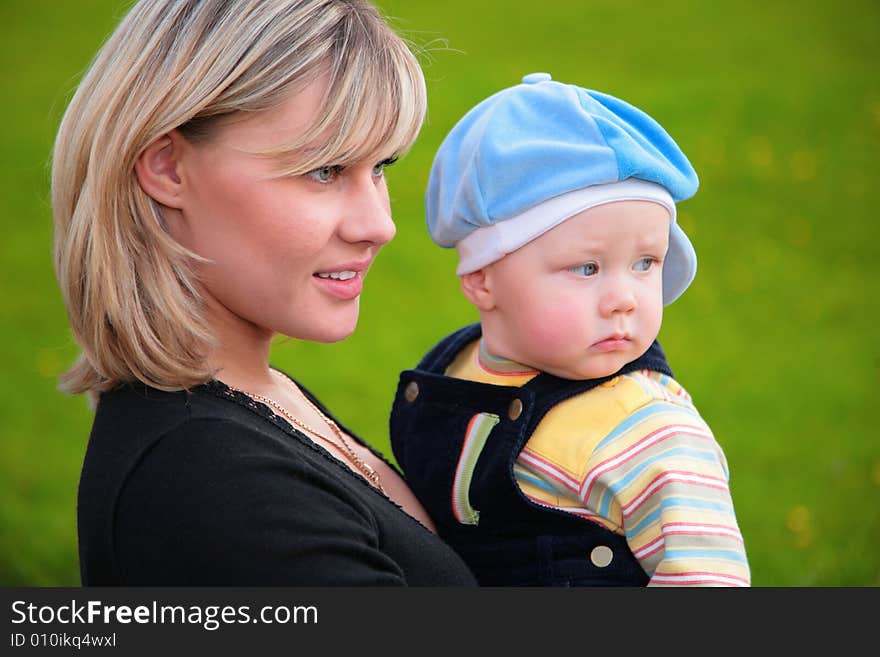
345	281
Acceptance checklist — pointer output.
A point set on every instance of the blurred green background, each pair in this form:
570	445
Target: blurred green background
777	104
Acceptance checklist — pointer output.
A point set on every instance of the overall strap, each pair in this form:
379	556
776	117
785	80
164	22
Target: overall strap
445	351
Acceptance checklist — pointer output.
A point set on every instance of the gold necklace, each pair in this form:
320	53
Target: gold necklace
343	445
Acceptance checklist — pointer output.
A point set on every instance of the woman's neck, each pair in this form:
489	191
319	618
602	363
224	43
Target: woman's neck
241	355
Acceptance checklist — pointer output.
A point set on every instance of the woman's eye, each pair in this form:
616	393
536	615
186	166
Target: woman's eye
587	269
379	169
325	174
644	264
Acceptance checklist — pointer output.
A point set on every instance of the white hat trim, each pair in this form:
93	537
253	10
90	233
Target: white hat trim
487	244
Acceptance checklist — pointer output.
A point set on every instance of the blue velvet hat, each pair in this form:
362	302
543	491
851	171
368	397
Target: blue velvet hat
529	157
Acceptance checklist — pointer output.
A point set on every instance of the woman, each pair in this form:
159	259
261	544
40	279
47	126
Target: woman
218	179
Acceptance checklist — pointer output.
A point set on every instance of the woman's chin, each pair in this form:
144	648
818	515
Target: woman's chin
332	332
339	337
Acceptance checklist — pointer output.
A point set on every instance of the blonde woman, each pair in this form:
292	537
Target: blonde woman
218	179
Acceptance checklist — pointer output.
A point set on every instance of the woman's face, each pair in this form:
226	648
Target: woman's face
285	255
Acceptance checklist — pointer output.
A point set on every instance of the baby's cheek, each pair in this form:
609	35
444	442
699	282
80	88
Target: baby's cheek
554	328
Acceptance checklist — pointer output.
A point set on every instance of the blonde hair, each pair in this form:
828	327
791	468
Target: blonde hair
129	288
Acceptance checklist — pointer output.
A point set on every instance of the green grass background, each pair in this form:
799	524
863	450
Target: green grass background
777	104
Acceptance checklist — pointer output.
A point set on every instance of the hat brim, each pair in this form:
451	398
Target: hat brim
680	265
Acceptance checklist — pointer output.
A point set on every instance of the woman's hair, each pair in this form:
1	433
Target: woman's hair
129	288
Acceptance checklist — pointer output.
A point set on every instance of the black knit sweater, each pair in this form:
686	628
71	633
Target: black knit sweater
207	488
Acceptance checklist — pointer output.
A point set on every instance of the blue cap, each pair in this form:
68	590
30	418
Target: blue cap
530	156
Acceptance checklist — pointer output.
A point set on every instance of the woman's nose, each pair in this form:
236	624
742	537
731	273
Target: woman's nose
368	215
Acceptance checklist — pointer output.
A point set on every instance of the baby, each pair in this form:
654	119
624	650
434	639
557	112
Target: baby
549	442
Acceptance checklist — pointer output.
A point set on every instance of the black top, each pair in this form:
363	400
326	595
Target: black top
208	487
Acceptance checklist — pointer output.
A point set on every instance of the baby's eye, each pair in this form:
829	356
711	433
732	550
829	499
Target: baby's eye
379	169
326	174
587	269
644	264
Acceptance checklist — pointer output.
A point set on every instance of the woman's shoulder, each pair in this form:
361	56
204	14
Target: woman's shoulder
151	408
205	479
136	427
133	416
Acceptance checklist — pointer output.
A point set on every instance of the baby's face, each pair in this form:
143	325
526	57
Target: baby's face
586	297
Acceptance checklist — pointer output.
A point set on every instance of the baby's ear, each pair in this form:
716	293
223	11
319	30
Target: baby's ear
474	287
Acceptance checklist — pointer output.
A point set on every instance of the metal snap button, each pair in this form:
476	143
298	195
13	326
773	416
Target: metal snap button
411	391
601	556
515	410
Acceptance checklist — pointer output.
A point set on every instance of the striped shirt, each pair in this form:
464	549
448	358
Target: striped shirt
633	455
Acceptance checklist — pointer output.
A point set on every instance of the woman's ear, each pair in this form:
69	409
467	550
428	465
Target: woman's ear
475	288
157	169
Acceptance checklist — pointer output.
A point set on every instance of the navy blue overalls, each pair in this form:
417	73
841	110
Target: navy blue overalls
515	541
